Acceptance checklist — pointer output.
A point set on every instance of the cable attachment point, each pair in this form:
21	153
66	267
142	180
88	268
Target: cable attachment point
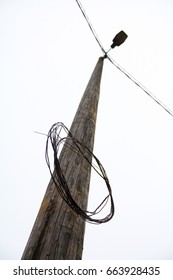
105	56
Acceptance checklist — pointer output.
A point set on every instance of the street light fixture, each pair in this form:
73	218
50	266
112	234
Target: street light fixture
118	40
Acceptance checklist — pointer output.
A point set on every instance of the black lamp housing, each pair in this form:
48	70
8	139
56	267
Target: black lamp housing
119	39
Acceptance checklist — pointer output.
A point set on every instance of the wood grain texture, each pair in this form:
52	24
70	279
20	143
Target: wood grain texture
58	233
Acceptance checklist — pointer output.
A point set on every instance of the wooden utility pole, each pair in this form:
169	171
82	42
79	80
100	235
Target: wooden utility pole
58	232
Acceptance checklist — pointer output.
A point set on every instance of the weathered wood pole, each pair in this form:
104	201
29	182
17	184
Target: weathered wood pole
58	233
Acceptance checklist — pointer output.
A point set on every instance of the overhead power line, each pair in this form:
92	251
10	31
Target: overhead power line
128	75
90	25
149	93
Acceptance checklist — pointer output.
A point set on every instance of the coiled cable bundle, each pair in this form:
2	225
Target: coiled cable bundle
54	137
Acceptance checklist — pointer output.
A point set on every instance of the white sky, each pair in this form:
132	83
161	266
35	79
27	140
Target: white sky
47	54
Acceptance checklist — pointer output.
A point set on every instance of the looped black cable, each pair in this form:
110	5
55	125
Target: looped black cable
59	179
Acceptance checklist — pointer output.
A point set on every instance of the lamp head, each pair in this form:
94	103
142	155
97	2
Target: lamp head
119	39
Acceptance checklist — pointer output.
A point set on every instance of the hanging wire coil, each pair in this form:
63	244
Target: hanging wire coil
54	137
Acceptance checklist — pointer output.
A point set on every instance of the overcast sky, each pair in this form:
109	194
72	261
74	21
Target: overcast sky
47	54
